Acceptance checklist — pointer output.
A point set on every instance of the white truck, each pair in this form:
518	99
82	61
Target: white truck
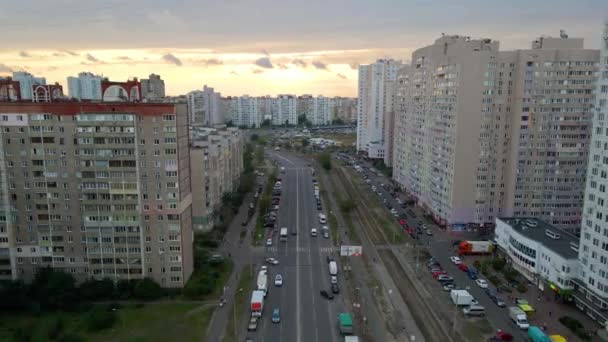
257	303
283	234
333	268
461	297
263	281
518	316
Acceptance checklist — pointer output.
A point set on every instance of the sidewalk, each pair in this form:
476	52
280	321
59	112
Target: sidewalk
240	255
548	312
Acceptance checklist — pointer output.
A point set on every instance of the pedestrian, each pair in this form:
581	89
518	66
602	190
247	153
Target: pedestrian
229	255
549	313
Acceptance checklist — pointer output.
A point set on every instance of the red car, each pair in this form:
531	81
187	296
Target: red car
402	222
463	267
438	273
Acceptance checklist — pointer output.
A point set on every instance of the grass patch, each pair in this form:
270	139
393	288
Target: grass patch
153	322
241	300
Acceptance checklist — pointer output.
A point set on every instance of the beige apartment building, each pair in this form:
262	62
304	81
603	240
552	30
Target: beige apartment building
216	164
97	190
485	133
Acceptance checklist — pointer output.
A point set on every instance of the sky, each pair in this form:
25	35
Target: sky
263	47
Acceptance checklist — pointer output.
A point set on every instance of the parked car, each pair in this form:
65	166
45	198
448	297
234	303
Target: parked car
463	267
335	288
456	260
326	294
268	242
333	279
429	232
449	287
313	232
278	280
438	273
444	277
482	283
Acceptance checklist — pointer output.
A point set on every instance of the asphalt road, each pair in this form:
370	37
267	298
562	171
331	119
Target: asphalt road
441	248
305	315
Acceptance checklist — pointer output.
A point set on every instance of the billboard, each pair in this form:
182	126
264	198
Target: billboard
347	250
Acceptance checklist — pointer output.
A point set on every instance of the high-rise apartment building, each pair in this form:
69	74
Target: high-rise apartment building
549	119
345	109
204	107
87	86
484	133
400	138
245	111
27	83
97	190
216	164
304	106
284	110
153	88
592	284
323	110
375	109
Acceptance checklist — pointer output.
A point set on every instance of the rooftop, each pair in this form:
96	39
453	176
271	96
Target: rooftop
553	238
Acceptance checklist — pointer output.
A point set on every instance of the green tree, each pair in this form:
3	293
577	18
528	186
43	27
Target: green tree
147	289
94	289
54	289
259	155
302	119
347	205
254	137
325	160
305	142
14	296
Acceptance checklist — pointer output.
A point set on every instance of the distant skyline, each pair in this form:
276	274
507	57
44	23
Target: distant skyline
261	47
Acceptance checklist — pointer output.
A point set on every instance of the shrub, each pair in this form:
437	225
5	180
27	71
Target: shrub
325	160
498	264
494	280
510	274
477	264
575	326
23	333
55	328
99	319
147	289
96	289
70	338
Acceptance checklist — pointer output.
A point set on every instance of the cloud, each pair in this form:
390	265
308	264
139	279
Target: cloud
211	62
257	71
51	68
91	58
265	52
72	53
341	76
319	65
354	66
299	62
5	68
24	54
171	59
282	66
264	62
57	54
123	58
234	73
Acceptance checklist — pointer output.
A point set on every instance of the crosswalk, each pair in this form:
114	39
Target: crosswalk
323	250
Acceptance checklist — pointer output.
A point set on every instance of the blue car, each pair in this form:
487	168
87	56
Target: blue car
276	317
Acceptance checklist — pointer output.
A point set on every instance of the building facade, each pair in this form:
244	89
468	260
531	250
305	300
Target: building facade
99	190
245	111
484	133
549	119
375	109
153	88
27	83
284	110
87	86
323	110
592	286
216	164
544	254
204	107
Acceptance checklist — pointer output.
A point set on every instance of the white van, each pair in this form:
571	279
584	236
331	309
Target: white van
474	310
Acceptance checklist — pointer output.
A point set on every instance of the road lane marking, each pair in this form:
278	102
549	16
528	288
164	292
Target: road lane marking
299	324
287	160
